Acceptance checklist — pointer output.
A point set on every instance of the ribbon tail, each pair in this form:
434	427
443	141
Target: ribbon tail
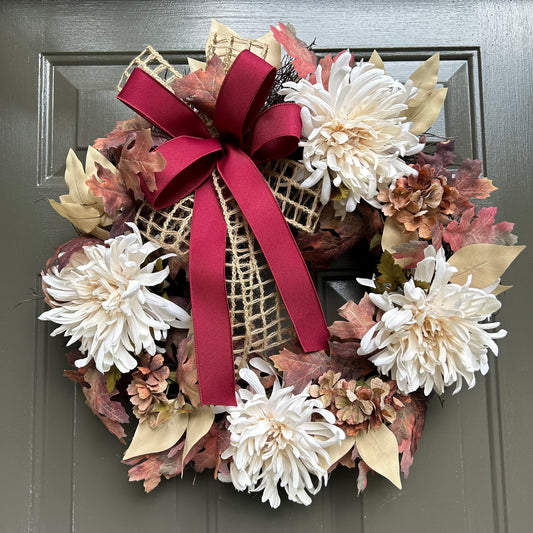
210	313
262	212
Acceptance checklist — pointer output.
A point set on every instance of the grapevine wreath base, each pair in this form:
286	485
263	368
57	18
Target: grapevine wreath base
209	203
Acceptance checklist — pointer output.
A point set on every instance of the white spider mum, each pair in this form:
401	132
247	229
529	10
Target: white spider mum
279	440
101	298
432	339
353	134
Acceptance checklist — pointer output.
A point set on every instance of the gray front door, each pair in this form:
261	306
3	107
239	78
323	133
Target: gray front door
61	470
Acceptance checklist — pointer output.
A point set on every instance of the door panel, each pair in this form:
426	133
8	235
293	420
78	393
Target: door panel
62	61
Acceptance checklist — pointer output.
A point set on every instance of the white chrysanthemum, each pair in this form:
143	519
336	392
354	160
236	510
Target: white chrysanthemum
432	339
353	133
102	299
276	440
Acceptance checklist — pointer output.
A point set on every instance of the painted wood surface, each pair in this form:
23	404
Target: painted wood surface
61	470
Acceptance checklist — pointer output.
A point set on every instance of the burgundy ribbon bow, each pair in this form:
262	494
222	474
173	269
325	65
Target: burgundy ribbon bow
246	136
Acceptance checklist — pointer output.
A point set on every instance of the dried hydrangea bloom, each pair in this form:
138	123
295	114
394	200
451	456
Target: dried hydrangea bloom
103	300
353	136
354	403
431	339
420	201
281	439
325	390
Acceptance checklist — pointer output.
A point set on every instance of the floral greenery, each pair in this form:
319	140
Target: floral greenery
423	326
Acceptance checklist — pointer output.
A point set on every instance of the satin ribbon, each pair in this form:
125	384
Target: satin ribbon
246	136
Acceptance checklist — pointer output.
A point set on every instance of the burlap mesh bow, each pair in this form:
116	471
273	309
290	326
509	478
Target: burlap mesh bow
259	320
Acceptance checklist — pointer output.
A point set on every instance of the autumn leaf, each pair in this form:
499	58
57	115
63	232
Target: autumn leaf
187	373
76	377
325	63
62	254
480	229
200	88
147	471
205	454
111	413
302	368
120	226
409	254
138	159
443	157
335	236
304	60
363	470
360	318
121	133
408	426
110	187
468	182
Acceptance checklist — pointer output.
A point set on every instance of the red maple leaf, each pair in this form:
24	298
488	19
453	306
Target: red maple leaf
111	413
304	60
335	236
443	157
138	159
468	182
408	427
326	63
302	368
110	187
63	253
413	250
201	87
121	133
480	229
148	470
120	225
360	318
187	372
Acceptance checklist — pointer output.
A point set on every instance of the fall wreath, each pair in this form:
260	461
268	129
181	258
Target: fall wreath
208	204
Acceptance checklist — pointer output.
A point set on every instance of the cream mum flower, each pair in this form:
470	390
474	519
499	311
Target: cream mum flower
276	440
102	299
432	339
352	131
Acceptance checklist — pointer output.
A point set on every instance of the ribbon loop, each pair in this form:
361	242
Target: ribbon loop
190	161
158	105
245	134
239	103
265	141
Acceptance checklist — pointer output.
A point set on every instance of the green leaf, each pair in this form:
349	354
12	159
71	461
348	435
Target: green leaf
111	378
378	448
392	274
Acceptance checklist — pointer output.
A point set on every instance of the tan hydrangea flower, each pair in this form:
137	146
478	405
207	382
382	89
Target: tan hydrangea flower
325	390
419	202
354	403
